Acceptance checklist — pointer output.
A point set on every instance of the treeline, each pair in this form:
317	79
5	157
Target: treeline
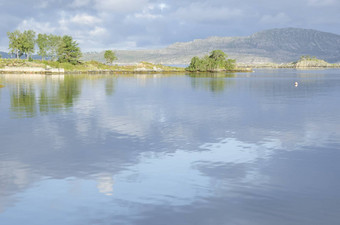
50	46
216	61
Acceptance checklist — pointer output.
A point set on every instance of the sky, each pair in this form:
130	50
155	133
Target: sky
147	24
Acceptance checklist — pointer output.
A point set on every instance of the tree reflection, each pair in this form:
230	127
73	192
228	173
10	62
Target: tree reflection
68	91
110	86
214	82
23	101
31	95
42	94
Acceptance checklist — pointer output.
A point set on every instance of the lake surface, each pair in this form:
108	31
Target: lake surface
238	149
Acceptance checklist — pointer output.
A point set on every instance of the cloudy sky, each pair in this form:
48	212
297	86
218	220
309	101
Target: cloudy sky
135	24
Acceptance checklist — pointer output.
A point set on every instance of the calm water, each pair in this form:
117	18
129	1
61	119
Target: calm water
241	149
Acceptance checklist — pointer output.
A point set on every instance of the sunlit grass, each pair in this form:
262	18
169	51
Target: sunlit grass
89	66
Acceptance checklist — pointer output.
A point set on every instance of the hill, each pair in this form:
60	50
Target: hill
269	46
4	55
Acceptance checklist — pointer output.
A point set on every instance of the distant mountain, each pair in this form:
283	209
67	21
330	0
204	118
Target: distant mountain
275	45
4	55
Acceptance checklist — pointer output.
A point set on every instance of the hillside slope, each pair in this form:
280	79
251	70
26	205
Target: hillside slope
276	45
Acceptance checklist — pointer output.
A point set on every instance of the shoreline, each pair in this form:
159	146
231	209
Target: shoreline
61	71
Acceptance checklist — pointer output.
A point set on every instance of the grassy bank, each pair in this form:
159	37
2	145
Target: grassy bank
89	66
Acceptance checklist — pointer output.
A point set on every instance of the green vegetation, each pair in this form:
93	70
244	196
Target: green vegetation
91	66
28	101
21	43
311	62
63	52
28	43
307	57
216	61
43	45
68	51
54	47
304	62
110	56
15	43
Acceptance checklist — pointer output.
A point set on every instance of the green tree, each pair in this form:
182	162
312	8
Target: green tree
15	43
28	42
68	50
54	41
230	64
21	42
218	55
43	45
221	61
209	63
110	56
194	64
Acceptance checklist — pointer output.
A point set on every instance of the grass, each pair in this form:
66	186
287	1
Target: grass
89	66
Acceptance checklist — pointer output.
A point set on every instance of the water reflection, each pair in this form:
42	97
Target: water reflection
155	150
35	94
110	85
23	101
105	184
214	82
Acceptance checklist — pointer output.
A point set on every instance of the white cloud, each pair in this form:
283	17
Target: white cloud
321	2
280	18
98	31
202	12
151	12
163	6
120	6
147	16
149	22
83	27
39	27
80	3
85	19
42	5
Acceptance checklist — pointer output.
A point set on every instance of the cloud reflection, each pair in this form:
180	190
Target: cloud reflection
168	143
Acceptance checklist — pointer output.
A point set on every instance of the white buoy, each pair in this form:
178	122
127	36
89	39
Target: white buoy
296	84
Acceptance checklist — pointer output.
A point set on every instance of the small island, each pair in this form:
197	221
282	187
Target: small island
311	62
217	61
304	62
